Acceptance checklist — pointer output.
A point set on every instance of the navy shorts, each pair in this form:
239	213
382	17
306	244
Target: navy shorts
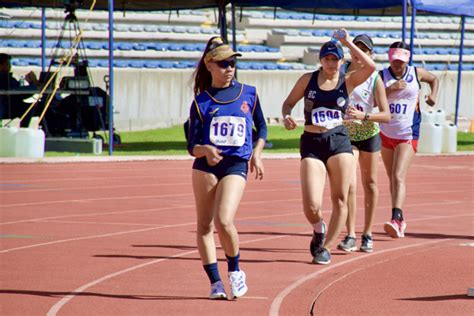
370	145
322	146
227	166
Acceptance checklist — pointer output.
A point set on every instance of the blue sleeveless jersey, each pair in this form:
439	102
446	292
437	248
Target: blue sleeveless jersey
227	125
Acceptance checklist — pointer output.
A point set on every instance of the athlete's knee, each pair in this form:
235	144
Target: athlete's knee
314	209
339	201
224	225
352	189
398	179
370	186
204	228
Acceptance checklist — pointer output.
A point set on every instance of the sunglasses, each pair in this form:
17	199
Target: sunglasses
226	63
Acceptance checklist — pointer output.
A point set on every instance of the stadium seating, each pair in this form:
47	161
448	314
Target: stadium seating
268	40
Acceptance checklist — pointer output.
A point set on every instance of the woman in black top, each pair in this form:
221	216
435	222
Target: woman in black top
325	146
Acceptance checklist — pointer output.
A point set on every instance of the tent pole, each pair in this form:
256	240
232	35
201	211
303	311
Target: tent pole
404	21
412	30
43	38
461	51
234	36
223	22
111	76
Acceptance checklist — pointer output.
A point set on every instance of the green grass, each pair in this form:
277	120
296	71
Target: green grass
170	141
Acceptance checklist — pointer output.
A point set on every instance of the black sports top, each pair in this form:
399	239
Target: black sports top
325	108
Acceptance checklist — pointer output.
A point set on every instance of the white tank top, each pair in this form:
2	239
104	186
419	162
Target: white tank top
362	96
363	99
404	106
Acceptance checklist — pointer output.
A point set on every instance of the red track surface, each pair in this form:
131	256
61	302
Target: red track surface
119	239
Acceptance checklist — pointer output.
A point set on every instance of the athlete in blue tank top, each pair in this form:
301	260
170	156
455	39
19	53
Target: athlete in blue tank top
223	117
220	137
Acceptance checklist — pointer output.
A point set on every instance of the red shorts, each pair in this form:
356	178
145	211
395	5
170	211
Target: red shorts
391	143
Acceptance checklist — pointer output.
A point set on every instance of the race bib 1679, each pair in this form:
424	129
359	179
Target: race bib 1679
227	131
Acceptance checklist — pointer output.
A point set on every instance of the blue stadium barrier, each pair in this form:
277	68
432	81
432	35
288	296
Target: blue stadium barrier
120	63
158	46
137	28
95	45
100	27
150	28
136	64
121	28
174	47
165	64
139	47
209	31
124	46
151	64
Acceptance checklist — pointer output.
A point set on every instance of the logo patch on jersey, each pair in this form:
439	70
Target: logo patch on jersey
245	107
213	111
341	102
409	78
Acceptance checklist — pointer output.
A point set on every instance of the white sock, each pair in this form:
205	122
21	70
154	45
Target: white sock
319	227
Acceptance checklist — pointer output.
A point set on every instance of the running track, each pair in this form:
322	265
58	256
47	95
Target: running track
118	238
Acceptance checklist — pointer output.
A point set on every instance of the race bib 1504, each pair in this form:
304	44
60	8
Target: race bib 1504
227	131
328	118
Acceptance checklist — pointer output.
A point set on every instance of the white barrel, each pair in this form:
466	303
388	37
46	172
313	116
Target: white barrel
431	138
427	116
440	117
450	138
8	141
30	143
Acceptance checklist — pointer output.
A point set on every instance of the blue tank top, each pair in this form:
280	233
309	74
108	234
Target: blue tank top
325	108
227	125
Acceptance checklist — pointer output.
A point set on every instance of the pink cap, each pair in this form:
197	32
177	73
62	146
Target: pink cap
398	54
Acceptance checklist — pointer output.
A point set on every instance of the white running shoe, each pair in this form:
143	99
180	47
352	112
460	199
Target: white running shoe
238	287
218	291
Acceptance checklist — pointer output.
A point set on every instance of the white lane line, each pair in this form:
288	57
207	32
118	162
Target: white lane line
56	307
94	214
93	237
184	206
278	300
97	223
125	232
88	188
371	265
136	211
133	197
444	192
192	223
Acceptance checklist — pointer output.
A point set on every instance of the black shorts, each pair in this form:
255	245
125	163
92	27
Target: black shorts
370	145
227	166
322	146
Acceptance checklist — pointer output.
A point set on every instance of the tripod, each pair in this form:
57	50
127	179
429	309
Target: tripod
80	112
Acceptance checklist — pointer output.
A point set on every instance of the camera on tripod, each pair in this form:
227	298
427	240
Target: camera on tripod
71	5
85	109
